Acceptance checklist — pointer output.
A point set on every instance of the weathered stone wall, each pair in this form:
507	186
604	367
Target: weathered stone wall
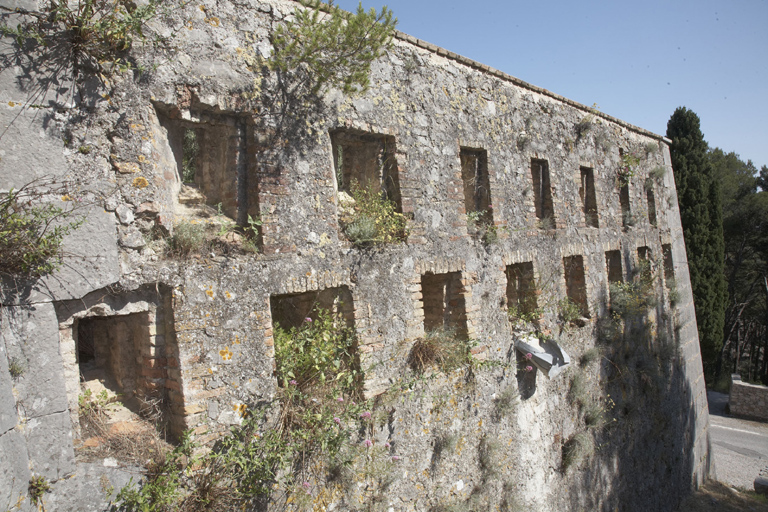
427	107
748	400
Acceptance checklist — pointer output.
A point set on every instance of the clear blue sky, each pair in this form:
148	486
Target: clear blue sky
637	60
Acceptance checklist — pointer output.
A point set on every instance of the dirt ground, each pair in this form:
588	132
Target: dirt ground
718	497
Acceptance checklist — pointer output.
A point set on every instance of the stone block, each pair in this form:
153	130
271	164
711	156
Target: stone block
14	468
172	384
761	485
87	490
194	409
8	418
90	263
49	443
31	335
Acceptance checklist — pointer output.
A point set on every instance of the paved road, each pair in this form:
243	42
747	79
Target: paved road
740	447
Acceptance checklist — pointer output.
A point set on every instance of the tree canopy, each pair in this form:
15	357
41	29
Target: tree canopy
745	229
701	214
324	45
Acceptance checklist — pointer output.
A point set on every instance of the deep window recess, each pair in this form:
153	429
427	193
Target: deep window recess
588	197
108	350
134	357
613	265
191	152
444	303
669	268
521	290
292	310
314	337
367	161
627	217
575	283
477	188
651	206
542	193
212	163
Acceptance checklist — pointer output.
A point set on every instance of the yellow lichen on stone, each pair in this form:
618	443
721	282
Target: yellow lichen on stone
127	167
140	182
226	354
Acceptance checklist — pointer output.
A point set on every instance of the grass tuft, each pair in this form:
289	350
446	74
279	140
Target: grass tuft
505	404
578	394
187	238
577	449
16	368
441	348
590	356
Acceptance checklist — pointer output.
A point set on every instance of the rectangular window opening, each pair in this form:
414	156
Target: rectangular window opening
293	310
542	193
575	282
317	317
613	265
645	266
588	197
190	153
627	219
366	161
108	350
213	167
444	303
669	266
651	206
521	290
133	357
644	254
477	187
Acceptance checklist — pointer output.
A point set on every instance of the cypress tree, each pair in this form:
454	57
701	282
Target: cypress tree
701	213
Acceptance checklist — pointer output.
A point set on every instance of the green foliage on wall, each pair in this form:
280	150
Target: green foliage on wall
32	231
318	432
636	296
373	219
95	33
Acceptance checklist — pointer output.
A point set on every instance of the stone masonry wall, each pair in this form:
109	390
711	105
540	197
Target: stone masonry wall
748	400
207	345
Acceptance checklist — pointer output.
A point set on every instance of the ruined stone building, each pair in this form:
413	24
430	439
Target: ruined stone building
514	197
